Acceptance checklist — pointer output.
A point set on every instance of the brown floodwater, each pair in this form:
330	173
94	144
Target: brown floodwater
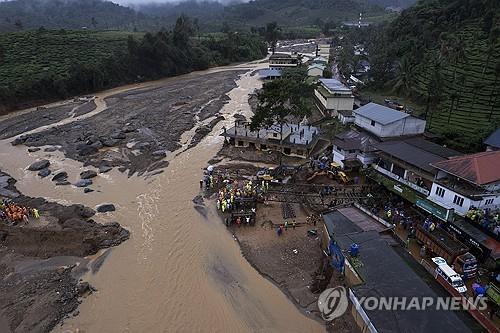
180	271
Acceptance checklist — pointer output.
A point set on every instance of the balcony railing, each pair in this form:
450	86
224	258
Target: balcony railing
401	180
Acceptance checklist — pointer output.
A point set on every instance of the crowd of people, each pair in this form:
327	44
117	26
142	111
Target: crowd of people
14	213
485	218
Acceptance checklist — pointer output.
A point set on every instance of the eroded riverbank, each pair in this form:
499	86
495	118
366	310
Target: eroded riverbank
180	271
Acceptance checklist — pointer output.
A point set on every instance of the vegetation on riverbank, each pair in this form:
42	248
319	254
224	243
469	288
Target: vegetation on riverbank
37	66
444	55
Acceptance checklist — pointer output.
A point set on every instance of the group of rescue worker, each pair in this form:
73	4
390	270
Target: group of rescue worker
14	213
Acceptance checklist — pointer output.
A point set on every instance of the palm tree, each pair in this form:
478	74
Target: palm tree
405	74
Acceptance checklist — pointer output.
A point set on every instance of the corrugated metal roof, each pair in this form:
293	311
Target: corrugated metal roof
269	72
494	139
318	66
416	151
480	169
355	140
380	114
334	84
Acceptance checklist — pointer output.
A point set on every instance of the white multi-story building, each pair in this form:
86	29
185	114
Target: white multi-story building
333	96
281	61
354	148
467	181
385	122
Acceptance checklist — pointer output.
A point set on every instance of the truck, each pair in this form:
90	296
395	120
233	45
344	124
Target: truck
455	253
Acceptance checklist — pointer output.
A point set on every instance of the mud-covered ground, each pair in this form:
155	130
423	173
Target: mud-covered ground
142	126
41	262
292	261
15	125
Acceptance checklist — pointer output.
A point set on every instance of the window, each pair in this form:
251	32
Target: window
458	200
440	191
241	143
489	201
373	122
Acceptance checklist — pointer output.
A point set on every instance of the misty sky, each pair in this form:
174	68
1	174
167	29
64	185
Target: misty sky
126	2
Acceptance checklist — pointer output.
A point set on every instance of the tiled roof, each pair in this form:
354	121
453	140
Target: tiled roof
480	169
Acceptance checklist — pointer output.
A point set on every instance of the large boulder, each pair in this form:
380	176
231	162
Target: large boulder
159	153
44	172
39	165
19	140
85	150
87	174
104	168
109	142
118	136
107	207
60	176
84	211
83	183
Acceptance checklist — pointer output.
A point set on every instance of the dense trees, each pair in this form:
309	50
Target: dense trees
153	56
443	54
272	34
282	98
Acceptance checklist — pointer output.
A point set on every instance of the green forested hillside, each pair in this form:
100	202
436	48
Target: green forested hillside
37	66
68	14
34	55
445	54
17	15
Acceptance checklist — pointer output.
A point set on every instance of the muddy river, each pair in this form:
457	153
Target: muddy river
180	271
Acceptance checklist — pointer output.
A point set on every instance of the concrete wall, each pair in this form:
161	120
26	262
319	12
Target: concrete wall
365	158
315	72
406	126
334	104
491	201
345	120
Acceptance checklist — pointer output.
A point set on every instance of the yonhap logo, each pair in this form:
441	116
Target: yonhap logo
332	303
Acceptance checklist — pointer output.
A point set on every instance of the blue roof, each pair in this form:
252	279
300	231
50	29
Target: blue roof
269	72
494	139
380	114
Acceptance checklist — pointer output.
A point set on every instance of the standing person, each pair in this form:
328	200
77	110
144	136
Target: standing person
293	224
286	225
201	184
279	231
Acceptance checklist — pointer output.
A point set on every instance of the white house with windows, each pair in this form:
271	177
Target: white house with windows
333	96
385	122
354	149
465	181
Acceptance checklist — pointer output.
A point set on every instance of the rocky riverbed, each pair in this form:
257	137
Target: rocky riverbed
41	261
139	128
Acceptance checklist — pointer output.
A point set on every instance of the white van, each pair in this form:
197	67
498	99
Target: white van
451	277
